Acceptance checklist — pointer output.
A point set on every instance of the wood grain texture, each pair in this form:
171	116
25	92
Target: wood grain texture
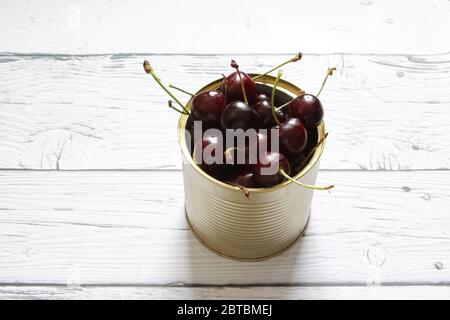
383	112
127	228
304	292
102	26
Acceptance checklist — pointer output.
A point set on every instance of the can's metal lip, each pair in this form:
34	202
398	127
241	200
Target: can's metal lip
284	86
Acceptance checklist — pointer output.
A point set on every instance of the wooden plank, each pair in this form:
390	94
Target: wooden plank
126	228
103	112
303	293
210	27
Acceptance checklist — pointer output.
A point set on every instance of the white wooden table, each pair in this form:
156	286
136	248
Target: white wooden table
91	197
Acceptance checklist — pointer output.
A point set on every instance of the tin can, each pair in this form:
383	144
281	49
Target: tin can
231	225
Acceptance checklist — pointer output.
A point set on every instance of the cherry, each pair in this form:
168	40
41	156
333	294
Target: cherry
243	178
239	115
262	97
207	160
293	137
264	110
262	141
190	134
208	106
273	168
255	147
266	170
233	84
309	109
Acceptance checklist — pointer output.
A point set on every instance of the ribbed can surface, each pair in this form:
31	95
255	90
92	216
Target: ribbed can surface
224	220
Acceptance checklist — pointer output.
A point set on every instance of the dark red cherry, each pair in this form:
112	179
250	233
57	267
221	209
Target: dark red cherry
211	158
243	178
262	97
234	89
282	115
208	106
262	140
297	164
266	171
239	115
293	137
309	109
264	111
256	146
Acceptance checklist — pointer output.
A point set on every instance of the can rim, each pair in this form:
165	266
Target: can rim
282	85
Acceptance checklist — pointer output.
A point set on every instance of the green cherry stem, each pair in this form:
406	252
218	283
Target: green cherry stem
225	89
300	93
274	112
236	66
329	73
149	70
308	186
295	58
171	106
182	90
284	105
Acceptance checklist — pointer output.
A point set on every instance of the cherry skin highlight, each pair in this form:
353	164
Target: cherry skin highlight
309	109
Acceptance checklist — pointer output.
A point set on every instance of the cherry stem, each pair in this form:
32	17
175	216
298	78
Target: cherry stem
171	106
243	189
329	73
295	58
228	153
284	105
236	66
181	90
308	186
149	70
272	102
310	153
225	89
301	92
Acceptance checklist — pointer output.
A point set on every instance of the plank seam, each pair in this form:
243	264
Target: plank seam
228	285
130	54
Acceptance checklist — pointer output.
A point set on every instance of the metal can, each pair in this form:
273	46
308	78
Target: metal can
231	225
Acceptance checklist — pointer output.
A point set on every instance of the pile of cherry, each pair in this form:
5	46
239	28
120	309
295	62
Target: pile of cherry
237	104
